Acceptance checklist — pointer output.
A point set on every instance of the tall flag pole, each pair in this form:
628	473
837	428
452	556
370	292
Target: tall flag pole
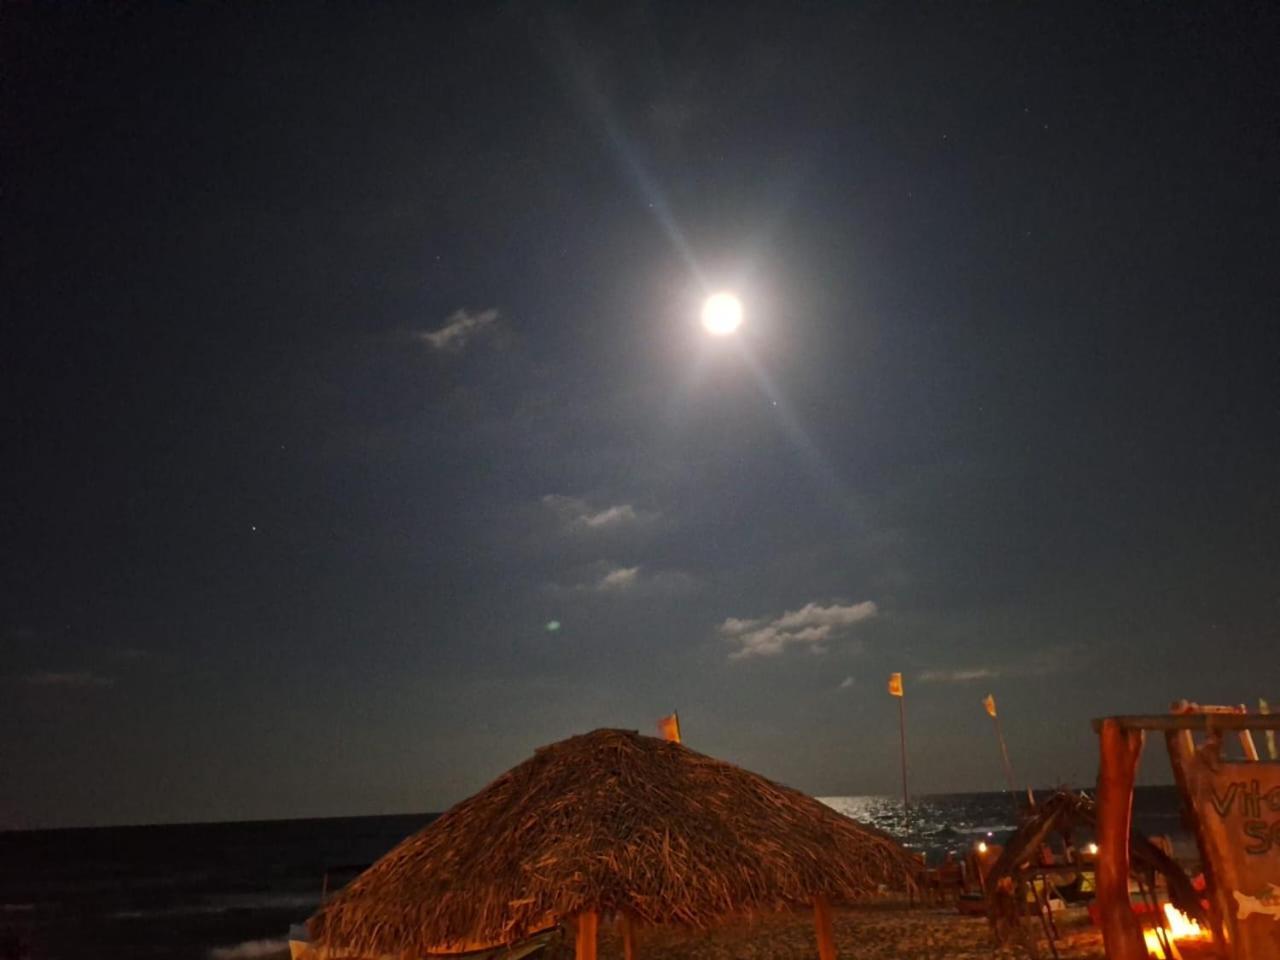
895	690
669	726
990	703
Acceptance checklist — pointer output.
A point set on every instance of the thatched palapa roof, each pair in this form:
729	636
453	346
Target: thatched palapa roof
612	822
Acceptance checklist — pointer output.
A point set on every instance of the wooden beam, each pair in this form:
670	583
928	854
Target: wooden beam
1193	721
822	924
584	946
1121	749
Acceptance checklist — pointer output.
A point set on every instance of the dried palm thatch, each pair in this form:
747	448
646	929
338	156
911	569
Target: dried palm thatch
611	822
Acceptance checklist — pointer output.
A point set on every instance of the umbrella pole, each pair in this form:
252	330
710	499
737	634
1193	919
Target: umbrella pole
584	946
822	924
628	936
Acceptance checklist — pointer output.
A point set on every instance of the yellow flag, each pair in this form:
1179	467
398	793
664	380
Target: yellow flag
895	684
990	703
669	727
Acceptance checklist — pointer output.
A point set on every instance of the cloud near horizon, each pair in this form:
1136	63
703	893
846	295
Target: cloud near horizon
1049	660
812	626
77	679
958	676
459	327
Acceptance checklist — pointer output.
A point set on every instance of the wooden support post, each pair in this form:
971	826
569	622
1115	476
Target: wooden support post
822	923
1248	746
1181	749
584	947
628	936
1121	749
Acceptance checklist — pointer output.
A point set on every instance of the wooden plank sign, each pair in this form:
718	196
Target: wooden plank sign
1237	809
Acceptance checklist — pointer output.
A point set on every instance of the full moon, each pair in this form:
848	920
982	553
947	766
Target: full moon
721	314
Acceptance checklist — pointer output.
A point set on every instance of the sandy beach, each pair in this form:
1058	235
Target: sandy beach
883	931
888	931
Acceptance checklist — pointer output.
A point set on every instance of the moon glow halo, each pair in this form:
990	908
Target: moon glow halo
721	314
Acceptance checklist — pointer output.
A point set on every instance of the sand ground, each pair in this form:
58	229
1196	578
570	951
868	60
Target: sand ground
879	932
883	931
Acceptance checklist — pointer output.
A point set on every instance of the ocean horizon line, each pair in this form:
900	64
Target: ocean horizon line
251	821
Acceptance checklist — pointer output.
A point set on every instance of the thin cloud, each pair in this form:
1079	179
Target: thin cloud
958	676
1042	663
458	329
579	515
73	679
610	579
812	626
619	578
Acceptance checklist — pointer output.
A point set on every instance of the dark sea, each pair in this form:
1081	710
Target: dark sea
227	891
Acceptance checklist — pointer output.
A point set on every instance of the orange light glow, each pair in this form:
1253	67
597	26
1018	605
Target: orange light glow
1155	948
1178	927
1182	927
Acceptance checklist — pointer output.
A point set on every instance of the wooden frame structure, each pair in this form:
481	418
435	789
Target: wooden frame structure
1121	740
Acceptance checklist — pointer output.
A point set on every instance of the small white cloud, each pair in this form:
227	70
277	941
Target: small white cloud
813	625
610	516
458	328
82	678
619	578
1040	663
579	515
614	580
846	683
958	676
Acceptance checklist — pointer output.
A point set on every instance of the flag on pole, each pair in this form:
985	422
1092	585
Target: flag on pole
989	701
669	727
895	690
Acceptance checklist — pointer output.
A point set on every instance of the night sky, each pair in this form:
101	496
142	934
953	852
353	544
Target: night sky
361	434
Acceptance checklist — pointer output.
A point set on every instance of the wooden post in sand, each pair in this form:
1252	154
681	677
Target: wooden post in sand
584	946
1121	748
628	936
822	923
